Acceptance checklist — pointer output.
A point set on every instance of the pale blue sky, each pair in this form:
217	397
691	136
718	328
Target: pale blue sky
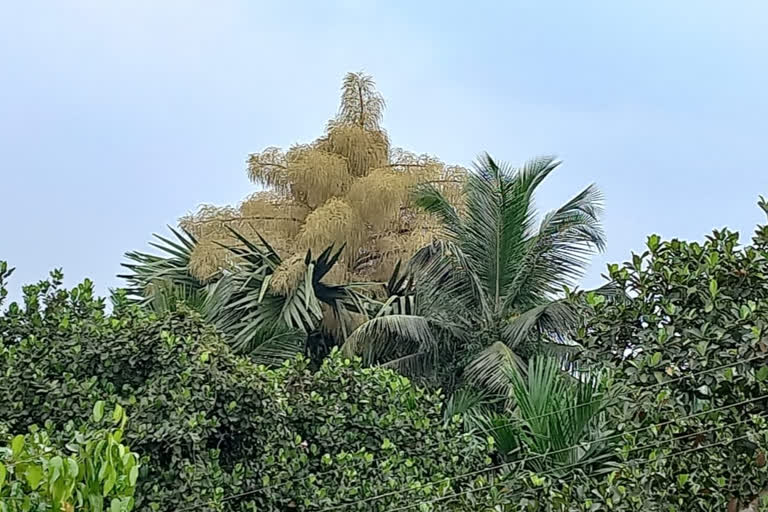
118	116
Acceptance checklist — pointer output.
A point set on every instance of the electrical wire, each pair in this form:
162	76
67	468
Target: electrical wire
521	420
538	456
640	462
499	466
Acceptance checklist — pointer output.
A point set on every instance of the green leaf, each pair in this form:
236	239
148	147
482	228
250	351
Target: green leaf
3	472
73	470
133	476
713	287
109	483
57	464
744	312
33	474
653	242
17	445
98	411
681	479
762	374
655	358
117	415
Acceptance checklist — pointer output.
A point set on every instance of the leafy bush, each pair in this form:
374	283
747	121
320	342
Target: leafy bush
94	472
217	432
688	350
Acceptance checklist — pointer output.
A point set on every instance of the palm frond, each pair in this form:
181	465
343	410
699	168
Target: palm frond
498	426
443	279
498	216
489	368
412	365
245	306
164	278
271	346
464	400
386	337
421	320
559	253
550	319
560	414
164	296
431	200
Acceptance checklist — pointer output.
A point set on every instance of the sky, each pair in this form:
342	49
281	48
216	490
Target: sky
119	116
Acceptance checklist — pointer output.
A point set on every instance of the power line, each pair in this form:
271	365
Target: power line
506	464
538	456
640	462
510	424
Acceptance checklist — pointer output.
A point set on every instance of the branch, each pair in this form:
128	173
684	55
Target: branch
407	165
238	219
272	164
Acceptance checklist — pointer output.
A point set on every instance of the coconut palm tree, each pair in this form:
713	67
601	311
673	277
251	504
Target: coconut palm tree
490	292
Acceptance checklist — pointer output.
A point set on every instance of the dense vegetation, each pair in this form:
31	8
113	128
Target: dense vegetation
686	355
94	471
211	425
464	374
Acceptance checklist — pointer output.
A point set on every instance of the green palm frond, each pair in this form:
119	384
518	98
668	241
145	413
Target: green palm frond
558	254
160	281
246	308
499	426
388	338
273	345
560	415
498	217
464	402
410	329
489	368
430	199
164	296
549	319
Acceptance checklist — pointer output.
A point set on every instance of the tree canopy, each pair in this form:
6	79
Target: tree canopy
348	187
495	280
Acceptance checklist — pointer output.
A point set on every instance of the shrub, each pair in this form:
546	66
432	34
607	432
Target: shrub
217	432
688	352
93	472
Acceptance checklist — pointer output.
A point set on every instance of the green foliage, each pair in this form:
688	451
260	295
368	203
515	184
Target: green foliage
255	319
160	282
94	471
559	414
689	350
492	287
217	432
5	273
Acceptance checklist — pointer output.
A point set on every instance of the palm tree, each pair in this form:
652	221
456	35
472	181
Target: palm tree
160	282
269	323
551	419
489	293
